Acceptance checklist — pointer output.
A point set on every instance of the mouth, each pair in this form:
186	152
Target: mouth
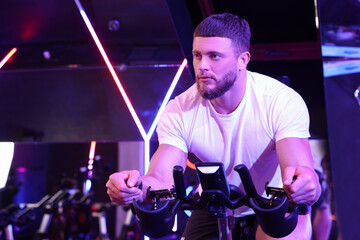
205	79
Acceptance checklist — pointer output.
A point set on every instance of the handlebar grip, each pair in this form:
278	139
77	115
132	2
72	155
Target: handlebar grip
9	210
246	179
56	197
179	182
303	209
43	201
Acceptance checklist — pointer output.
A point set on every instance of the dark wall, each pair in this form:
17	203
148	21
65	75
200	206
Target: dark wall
81	104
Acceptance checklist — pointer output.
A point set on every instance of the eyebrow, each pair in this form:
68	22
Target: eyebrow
209	53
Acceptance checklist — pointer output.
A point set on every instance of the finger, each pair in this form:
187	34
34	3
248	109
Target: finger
126	200
134	179
304	190
288	176
123	189
129	199
306	193
123	198
121	201
304	199
122	194
118	179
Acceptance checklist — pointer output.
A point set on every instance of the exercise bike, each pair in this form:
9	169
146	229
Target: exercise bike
156	220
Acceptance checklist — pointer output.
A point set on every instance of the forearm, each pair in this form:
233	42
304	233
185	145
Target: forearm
160	173
296	161
153	183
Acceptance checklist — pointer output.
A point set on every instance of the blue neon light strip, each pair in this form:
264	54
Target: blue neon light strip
167	96
341	68
338	51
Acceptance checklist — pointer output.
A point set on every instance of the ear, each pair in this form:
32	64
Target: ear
243	60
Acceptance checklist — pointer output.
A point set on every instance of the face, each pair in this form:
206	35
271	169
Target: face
215	66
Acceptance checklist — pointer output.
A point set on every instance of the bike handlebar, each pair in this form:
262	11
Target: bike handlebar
270	213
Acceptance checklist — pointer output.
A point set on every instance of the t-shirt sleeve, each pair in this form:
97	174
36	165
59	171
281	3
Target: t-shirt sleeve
170	129
291	116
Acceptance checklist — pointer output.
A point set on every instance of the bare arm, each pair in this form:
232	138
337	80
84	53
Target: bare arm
160	174
296	161
123	186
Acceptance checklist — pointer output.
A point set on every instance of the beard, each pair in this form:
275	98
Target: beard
224	85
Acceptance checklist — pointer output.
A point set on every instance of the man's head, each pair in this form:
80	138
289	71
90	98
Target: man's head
229	26
220	54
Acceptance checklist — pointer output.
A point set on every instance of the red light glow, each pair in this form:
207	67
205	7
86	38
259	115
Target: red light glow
7	57
190	165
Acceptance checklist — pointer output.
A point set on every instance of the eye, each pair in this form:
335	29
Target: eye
196	55
214	56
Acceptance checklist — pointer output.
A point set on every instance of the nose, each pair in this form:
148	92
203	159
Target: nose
203	64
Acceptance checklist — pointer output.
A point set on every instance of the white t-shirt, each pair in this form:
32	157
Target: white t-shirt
269	111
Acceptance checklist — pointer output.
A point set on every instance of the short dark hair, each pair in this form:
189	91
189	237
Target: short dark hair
229	26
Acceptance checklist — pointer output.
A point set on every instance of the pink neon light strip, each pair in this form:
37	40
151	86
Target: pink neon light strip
92	150
111	69
145	136
7	57
91	158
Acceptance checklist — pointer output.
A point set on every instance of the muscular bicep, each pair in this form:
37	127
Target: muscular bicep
294	152
160	173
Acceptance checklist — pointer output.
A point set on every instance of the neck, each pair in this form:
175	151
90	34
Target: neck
228	102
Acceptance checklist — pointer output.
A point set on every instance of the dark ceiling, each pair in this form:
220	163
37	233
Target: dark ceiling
147	30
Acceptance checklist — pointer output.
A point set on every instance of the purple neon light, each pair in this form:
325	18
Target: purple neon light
145	136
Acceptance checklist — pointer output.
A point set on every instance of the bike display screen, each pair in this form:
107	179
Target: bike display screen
212	177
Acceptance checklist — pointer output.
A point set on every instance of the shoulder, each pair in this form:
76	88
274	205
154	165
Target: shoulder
269	88
175	121
186	100
181	109
266	85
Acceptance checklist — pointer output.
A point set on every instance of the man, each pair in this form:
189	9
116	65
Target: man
232	116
